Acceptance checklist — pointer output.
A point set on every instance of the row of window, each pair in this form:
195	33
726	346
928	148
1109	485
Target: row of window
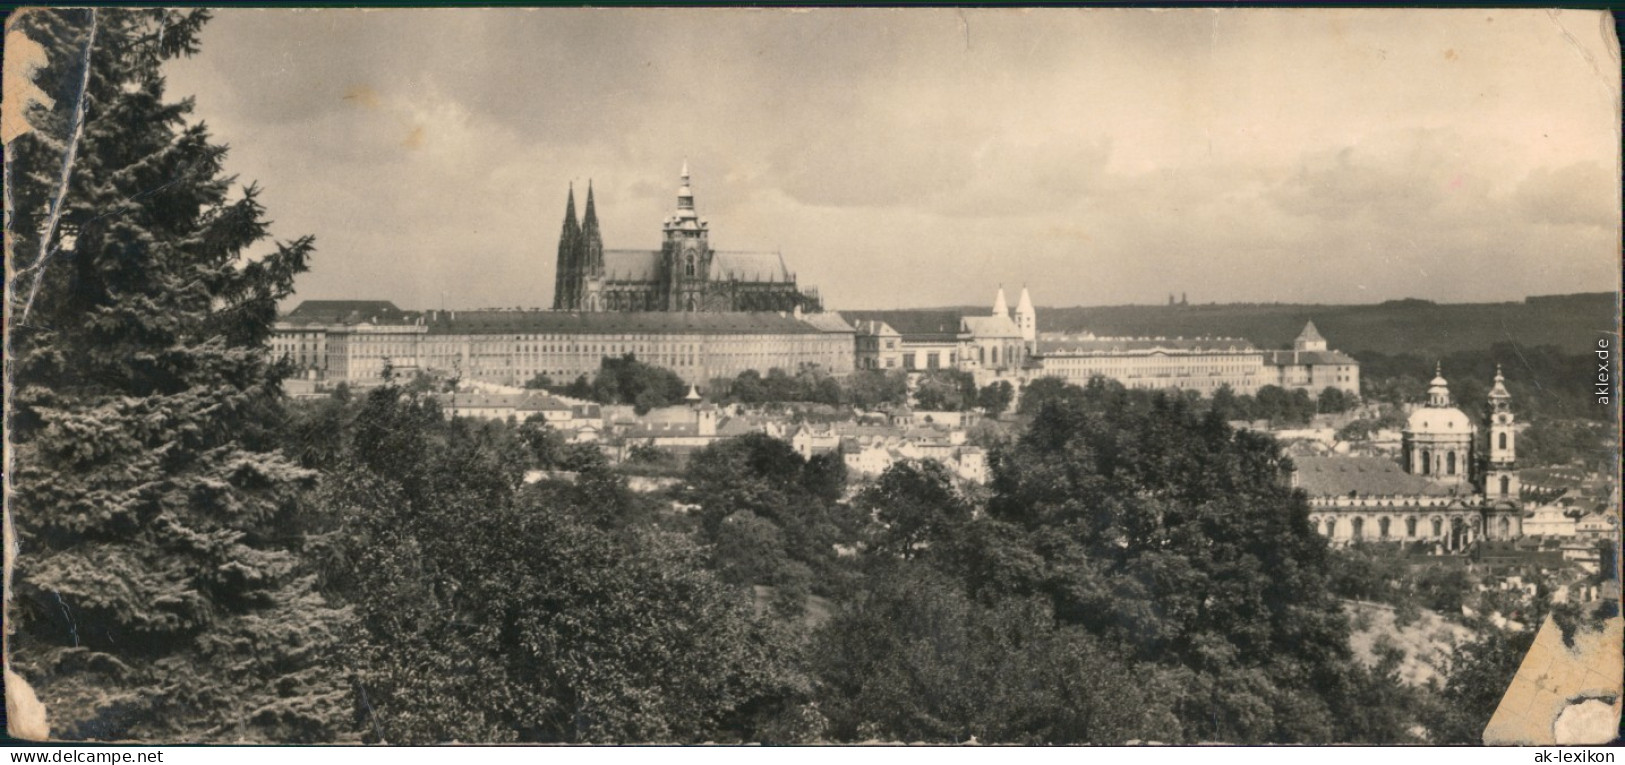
1329	526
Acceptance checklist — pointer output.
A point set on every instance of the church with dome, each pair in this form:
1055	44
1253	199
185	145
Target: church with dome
684	275
1449	490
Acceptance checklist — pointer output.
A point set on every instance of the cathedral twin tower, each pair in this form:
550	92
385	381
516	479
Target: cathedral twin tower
685	274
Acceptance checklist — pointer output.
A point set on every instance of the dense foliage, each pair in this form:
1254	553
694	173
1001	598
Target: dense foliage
557	613
155	595
626	380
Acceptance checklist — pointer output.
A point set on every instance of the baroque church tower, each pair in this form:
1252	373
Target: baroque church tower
1501	477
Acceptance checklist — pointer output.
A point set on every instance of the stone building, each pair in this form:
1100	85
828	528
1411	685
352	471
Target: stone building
994	346
1309	366
684	275
1201	364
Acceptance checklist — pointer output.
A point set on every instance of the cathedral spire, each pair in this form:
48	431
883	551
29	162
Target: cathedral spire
565	282
685	196
592	243
1000	308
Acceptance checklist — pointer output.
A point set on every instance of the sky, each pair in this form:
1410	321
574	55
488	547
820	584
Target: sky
922	157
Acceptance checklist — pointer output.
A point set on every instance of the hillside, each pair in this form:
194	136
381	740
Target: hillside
1416	327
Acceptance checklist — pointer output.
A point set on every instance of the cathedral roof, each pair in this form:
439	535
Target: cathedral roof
730	265
640	322
1359	476
632	265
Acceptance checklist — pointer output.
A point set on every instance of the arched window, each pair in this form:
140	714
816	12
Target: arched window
690	302
1450	463
1410	527
688	270
1382	527
1503	440
1331	527
1359	528
1506	486
1438	527
1427	462
1506	527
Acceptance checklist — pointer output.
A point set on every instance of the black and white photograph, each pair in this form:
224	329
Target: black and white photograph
1151	377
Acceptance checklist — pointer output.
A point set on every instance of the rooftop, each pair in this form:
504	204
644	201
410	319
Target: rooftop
1360	476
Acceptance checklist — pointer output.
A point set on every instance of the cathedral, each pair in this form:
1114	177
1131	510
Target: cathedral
685	274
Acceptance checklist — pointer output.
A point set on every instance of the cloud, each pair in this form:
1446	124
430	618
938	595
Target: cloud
915	157
1581	194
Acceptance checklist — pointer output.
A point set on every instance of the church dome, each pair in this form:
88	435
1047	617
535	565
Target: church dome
1439	420
1438	417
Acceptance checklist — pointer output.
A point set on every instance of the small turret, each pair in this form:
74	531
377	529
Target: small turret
1000	308
1309	339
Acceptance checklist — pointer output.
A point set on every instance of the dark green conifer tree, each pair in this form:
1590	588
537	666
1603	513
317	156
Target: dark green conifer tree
156	595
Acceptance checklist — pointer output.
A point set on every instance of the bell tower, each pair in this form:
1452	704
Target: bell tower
1501	477
685	253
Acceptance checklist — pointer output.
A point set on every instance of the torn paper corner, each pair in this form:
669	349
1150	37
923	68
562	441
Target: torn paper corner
25	715
1563	695
23	57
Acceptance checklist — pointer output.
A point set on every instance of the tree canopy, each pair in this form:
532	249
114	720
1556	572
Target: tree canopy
155	595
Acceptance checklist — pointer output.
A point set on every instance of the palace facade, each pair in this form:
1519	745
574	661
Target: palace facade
512	347
684	275
1201	364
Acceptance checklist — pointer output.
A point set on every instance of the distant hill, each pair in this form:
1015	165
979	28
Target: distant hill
1417	327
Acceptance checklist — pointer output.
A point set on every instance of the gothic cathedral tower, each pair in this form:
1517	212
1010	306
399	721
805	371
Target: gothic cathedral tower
590	252
566	273
685	255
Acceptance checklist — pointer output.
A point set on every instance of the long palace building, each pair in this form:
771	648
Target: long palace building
355	341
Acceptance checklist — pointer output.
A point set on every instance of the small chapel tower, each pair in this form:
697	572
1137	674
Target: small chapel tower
1001	308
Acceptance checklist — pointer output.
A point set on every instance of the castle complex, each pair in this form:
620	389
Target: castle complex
685	274
709	315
